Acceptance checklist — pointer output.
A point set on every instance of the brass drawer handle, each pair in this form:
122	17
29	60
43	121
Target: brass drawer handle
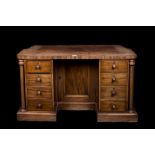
113	78
113	92
113	65
38	79
38	67
38	92
39	105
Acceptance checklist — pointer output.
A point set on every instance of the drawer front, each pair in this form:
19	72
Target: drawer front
113	106
114	79
113	92
39	79
109	66
39	92
38	66
39	105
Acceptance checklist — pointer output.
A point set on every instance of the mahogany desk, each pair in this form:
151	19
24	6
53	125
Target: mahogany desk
77	77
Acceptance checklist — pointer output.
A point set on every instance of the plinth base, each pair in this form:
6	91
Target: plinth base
117	117
36	116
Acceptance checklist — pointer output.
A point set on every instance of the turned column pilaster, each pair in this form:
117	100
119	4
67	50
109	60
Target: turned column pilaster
131	85
21	65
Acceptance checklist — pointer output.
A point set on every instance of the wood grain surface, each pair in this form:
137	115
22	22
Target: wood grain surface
77	52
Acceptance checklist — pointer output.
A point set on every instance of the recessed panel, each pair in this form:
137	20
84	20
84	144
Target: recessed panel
76	80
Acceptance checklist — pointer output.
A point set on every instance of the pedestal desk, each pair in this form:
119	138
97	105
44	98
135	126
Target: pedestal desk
77	77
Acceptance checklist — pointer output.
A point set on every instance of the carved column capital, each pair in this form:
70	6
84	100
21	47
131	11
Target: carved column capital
21	62
132	62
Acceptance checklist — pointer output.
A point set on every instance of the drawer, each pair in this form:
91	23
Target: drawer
39	105
108	66
38	79
113	106
114	79
39	92
38	66
108	92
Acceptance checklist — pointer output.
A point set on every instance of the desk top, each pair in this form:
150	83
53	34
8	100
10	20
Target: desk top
76	52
